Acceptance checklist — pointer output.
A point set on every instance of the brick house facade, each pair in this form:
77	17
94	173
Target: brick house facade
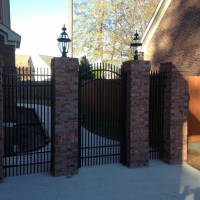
173	38
174	35
7	53
9	40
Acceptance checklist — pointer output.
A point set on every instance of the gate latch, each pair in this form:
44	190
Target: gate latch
82	117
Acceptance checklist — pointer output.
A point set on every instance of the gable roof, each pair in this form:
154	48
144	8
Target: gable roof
155	21
46	59
40	61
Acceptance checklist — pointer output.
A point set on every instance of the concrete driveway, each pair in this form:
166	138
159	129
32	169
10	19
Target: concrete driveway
109	182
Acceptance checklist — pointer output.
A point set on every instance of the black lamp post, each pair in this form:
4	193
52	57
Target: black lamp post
136	45
63	42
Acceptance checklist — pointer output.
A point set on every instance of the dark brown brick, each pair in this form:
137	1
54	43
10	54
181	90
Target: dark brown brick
177	37
175	113
137	112
65	142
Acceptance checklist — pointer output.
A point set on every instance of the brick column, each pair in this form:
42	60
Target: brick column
1	127
65	135
175	110
7	53
137	148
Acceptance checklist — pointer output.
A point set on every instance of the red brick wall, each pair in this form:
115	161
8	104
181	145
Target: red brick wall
65	134
137	147
175	112
177	37
7	52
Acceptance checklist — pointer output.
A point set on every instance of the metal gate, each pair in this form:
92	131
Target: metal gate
101	115
27	120
156	115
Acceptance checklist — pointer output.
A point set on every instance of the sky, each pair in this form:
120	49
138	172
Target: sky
39	22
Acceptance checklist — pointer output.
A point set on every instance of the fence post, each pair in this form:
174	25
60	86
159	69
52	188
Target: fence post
137	147
1	126
175	112
65	133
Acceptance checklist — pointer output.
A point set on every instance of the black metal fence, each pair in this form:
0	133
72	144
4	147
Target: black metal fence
156	115
27	120
101	115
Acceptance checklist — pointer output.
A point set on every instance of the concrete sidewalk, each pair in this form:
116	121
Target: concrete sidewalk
194	146
109	182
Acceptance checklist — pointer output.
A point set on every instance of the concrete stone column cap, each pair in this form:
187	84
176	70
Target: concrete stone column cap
136	65
65	59
135	61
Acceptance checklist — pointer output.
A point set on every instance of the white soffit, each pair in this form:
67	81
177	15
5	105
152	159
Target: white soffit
155	21
10	37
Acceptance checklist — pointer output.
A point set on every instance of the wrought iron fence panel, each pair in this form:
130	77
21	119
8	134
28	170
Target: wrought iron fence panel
27	120
156	115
